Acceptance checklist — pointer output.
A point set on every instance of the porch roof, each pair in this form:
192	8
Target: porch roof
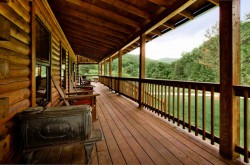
100	28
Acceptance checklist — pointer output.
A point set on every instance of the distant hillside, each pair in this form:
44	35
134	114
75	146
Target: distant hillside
168	60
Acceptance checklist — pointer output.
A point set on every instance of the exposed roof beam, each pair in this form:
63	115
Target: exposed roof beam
80	24
103	49
90	33
169	25
171	15
215	2
129	8
94	20
187	14
103	12
89	40
89	36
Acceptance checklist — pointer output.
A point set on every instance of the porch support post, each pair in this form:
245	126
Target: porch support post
110	66
229	76
105	68
101	68
142	66
119	68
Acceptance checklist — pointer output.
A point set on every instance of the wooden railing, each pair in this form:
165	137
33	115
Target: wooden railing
243	148
193	105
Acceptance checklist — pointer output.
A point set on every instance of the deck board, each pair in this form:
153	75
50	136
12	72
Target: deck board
134	135
147	139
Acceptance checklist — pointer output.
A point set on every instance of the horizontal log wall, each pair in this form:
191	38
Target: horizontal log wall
55	68
15	86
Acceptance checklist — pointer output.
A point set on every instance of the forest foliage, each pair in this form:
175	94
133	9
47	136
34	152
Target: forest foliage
201	64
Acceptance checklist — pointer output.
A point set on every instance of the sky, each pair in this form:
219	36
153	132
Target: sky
186	37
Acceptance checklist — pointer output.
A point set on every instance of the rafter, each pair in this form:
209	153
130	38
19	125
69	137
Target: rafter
80	24
90	33
171	15
187	14
84	6
129	8
169	25
89	36
215	2
88	40
92	19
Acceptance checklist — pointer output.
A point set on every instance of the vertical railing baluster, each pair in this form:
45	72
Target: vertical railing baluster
173	103
155	99
203	112
169	102
196	110
178	105
189	108
212	115
183	107
158	97
161	100
165	107
246	126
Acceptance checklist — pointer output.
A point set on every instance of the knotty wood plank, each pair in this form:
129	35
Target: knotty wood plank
146	146
206	153
114	150
180	139
162	150
100	145
127	152
135	146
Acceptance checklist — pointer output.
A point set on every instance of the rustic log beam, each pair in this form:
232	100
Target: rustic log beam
13	17
4	107
17	96
5	29
229	76
19	9
9	85
4	69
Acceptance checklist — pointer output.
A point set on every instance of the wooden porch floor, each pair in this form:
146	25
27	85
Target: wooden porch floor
134	136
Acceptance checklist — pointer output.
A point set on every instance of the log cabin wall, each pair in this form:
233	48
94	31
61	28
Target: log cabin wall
17	53
15	85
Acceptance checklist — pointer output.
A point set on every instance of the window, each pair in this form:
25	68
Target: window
63	69
42	64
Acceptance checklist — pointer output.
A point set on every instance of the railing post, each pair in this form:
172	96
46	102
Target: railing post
119	69
142	67
229	76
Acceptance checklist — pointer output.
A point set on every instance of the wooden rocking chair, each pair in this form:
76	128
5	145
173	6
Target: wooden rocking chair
78	98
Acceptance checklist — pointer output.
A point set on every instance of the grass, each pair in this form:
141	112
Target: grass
200	115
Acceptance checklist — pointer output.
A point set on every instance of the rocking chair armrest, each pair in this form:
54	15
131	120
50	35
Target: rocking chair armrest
79	97
80	92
